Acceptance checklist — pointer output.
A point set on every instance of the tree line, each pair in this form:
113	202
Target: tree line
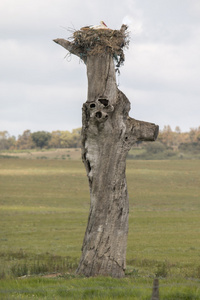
177	140
41	139
172	145
168	141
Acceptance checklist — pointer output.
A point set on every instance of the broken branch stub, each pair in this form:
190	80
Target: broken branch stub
108	133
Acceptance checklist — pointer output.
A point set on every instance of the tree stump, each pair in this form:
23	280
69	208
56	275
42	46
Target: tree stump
108	133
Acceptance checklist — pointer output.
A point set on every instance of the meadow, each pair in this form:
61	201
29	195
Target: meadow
44	206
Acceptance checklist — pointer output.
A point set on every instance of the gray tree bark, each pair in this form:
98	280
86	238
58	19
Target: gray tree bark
108	133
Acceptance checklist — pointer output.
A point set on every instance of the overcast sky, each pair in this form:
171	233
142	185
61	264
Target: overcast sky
40	89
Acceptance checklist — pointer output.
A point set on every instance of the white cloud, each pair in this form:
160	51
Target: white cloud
135	26
40	89
45	107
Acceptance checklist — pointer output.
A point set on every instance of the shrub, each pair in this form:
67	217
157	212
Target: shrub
155	147
162	270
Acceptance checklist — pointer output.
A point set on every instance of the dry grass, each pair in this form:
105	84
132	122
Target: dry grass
68	154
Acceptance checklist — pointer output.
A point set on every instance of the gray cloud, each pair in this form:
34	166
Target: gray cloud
41	90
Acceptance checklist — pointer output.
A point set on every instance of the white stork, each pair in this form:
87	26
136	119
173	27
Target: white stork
101	26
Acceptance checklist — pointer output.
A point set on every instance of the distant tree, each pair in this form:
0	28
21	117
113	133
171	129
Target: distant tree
11	142
198	138
166	136
194	135
178	130
25	141
41	138
66	139
6	141
177	138
171	139
55	141
3	140
76	138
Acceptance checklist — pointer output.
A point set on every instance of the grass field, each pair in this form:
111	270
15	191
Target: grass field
65	153
44	206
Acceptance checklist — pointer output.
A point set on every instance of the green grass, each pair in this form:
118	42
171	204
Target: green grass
96	288
44	207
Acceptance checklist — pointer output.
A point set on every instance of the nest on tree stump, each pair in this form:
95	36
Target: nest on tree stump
89	41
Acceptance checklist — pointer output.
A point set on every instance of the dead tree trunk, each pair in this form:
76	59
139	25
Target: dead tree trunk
107	135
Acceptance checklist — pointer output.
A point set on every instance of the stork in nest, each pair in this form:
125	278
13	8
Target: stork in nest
101	26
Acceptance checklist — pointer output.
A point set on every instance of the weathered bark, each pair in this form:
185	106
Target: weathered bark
107	135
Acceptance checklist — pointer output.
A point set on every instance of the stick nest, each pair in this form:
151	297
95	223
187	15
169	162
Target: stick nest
97	42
